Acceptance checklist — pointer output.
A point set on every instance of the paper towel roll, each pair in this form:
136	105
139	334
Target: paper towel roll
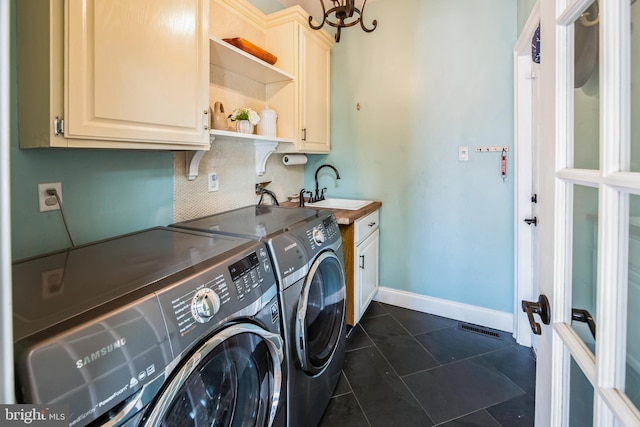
294	159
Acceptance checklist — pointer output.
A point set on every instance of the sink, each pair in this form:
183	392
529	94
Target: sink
347	204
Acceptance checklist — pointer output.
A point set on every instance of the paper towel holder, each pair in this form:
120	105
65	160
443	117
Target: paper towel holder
294	159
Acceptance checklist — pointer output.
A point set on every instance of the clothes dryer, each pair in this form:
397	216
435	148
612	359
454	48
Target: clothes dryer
306	249
163	327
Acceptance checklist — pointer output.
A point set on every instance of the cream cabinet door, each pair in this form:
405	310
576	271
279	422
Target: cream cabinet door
303	108
366	273
314	92
137	70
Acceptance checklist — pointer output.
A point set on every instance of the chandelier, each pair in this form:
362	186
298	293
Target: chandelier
343	14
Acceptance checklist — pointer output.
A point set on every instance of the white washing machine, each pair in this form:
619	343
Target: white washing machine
306	249
163	327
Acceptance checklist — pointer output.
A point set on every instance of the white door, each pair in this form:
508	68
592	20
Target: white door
527	104
589	259
6	316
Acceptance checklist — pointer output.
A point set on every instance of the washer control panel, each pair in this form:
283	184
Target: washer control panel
216	293
205	304
247	273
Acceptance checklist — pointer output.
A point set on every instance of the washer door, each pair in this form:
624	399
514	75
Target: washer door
321	311
234	379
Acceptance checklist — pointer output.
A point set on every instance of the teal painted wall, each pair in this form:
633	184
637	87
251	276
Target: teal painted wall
524	10
105	193
435	75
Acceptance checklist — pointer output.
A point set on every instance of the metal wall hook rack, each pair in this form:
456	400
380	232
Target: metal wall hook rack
491	149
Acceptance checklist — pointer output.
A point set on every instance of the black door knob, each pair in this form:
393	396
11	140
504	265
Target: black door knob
541	308
582	315
531	221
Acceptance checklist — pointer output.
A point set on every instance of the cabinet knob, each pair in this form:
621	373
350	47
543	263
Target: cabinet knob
362	262
371	224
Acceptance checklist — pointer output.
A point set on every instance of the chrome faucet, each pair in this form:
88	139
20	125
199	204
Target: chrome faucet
320	195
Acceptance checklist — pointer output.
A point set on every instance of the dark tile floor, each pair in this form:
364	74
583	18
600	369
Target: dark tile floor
406	368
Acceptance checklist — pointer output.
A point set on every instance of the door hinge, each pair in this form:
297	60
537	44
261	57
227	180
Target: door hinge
58	126
208	116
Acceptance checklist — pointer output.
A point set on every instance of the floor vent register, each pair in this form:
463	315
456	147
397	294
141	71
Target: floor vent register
480	330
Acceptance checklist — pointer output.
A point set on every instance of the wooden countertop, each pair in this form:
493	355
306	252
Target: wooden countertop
344	216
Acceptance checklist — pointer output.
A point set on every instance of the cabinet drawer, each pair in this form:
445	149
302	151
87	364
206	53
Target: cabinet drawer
365	226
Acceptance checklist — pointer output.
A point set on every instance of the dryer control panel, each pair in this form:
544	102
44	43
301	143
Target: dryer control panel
294	251
229	289
326	231
331	227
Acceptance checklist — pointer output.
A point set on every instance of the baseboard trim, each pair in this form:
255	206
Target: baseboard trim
494	319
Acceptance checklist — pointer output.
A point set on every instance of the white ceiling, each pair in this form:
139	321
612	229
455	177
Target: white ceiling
313	6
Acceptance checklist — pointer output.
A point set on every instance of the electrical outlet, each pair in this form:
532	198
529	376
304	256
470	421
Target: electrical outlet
47	202
52	283
213	182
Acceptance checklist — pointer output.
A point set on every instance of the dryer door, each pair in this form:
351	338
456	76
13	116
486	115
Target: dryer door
321	311
234	378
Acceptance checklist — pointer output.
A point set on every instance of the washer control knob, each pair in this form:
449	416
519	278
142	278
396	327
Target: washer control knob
205	305
318	235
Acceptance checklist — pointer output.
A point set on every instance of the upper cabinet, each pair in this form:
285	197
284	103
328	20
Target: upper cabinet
120	74
301	99
314	92
230	58
305	53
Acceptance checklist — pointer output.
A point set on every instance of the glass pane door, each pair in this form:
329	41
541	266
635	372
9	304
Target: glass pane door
597	257
632	376
584	268
635	86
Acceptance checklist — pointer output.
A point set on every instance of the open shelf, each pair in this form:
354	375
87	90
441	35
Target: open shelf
227	134
264	147
230	58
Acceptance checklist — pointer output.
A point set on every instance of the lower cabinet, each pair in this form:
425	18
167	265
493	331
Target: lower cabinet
360	242
365	274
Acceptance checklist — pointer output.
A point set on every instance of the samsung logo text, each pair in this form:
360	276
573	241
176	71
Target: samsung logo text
291	246
80	363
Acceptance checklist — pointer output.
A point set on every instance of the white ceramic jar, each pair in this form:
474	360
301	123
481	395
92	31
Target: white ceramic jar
267	124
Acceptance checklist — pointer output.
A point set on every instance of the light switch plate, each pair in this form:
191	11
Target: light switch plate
463	154
213	182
